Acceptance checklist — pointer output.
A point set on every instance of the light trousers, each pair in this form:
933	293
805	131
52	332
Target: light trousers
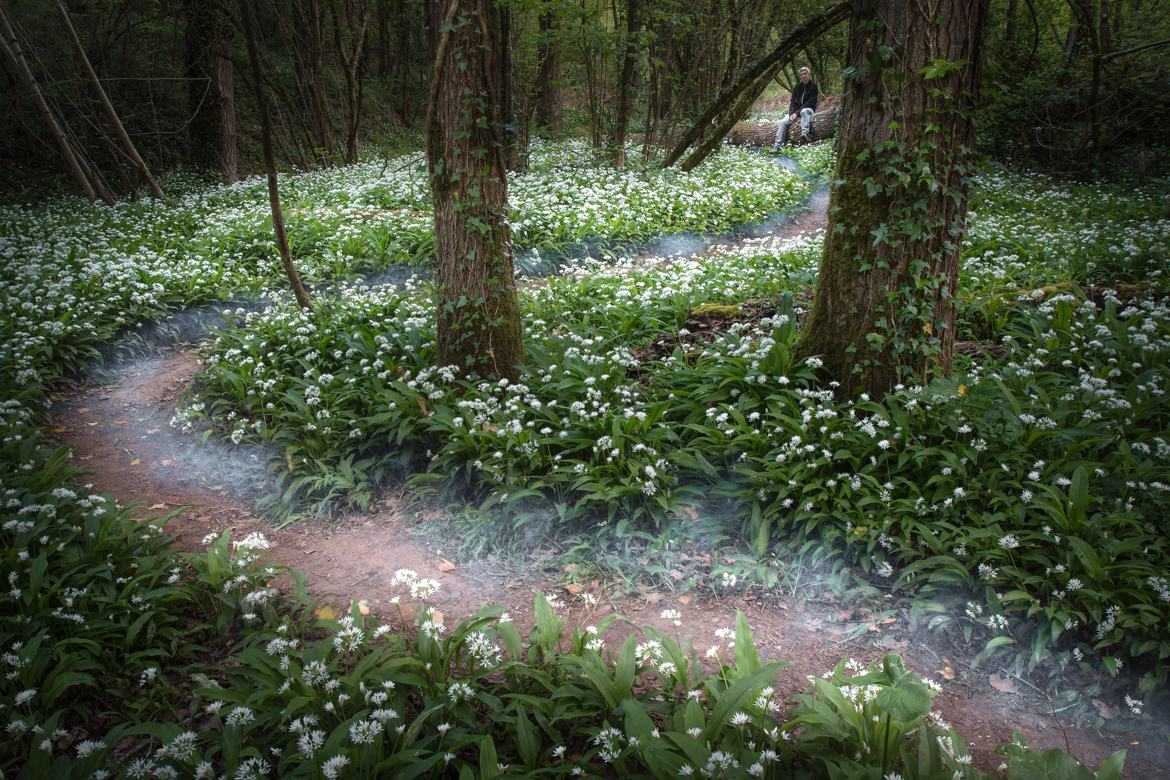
806	115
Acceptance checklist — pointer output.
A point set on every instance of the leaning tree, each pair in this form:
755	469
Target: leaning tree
884	308
478	311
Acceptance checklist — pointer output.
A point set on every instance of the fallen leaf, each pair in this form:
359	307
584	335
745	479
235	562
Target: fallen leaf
676	575
574	588
1003	684
326	612
685	599
436	616
1105	710
364	607
423	405
159	505
948	673
91	424
653	598
687	511
844	614
490	428
60	429
136	462
569	568
121	422
890	619
445	565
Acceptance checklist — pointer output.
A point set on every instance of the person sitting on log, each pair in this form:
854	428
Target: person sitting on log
802	104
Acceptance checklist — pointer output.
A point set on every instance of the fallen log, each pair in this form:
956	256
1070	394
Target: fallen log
734	102
823	125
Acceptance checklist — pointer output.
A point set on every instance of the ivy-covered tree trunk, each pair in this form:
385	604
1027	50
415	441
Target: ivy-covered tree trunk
478	311
884	306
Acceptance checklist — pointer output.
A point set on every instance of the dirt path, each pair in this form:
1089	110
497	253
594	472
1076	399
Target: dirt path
120	434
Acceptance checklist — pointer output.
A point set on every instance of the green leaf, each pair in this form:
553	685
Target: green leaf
1026	764
747	660
1078	495
489	765
734	697
1112	767
526	739
908	699
992	644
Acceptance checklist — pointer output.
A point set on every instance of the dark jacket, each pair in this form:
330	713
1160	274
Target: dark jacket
804	96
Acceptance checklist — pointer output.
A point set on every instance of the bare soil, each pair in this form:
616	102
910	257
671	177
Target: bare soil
120	434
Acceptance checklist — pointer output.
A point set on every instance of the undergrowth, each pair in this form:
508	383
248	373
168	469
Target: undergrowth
127	658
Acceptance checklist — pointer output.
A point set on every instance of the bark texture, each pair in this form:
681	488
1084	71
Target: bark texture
884	304
824	125
478	311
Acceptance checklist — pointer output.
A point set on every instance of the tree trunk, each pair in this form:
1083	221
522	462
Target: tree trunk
731	104
823	125
108	107
307	41
501	33
478	311
884	311
290	270
594	101
316	63
351	62
548	76
211	90
626	87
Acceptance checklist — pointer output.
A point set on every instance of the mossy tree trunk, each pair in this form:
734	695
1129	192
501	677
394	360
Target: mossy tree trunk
884	310
478	311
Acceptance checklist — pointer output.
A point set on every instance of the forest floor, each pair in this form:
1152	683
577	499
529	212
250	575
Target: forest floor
120	434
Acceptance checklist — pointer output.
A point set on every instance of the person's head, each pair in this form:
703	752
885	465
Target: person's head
805	75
